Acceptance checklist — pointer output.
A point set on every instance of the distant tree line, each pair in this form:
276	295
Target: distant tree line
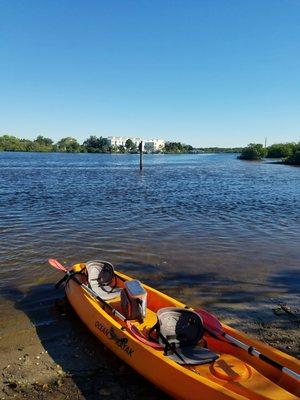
40	144
68	144
219	149
177	147
93	144
288	152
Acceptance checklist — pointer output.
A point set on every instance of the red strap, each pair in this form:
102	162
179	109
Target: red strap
139	335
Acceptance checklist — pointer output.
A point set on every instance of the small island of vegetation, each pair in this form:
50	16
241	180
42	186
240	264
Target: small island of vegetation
253	151
289	153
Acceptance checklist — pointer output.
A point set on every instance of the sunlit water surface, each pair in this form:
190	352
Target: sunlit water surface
207	229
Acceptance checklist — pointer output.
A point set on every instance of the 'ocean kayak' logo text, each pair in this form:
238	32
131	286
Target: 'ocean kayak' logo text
110	333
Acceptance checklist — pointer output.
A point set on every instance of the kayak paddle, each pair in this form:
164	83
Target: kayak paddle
56	264
213	326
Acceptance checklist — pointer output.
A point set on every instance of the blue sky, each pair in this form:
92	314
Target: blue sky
207	73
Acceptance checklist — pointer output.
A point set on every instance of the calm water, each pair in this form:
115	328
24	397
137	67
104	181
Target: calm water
206	228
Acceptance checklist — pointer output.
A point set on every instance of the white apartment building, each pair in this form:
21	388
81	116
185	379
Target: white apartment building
148	145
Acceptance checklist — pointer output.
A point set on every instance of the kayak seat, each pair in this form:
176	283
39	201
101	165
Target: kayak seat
102	279
179	331
106	292
192	355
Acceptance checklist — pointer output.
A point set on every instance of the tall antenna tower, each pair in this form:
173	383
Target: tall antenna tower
265	141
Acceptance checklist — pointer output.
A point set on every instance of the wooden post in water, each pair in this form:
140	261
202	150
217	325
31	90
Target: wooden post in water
141	155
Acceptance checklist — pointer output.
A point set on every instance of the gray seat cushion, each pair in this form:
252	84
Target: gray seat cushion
100	277
105	291
180	326
180	331
193	355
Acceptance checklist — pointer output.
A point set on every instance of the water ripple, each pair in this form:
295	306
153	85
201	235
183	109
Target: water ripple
208	213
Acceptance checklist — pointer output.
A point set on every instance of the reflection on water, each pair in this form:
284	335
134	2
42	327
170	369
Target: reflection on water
190	224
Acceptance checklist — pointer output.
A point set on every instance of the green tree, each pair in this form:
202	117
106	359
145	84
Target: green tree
29	145
43	141
253	151
69	145
104	145
96	145
177	147
129	144
43	144
294	159
134	148
280	150
12	143
92	144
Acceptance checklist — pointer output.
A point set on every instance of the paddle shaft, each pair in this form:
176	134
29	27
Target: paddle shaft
214	326
253	352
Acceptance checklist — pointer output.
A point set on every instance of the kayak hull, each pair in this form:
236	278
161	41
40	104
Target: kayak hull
181	382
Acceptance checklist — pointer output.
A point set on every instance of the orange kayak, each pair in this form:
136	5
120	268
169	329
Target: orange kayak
235	374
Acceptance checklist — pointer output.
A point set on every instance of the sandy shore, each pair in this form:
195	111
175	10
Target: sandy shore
62	360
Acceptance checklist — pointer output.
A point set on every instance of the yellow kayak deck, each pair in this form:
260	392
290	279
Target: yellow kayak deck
234	375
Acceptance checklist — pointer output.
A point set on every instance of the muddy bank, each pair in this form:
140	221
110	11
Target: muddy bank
47	353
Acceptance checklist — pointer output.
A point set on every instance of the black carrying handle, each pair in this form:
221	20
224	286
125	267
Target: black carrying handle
65	278
61	281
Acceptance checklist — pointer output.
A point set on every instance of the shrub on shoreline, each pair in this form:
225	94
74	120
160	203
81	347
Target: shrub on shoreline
253	152
294	158
280	150
289	153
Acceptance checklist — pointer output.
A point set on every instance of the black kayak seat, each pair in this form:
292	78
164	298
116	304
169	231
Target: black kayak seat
180	331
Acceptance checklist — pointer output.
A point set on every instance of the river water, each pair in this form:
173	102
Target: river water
208	229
